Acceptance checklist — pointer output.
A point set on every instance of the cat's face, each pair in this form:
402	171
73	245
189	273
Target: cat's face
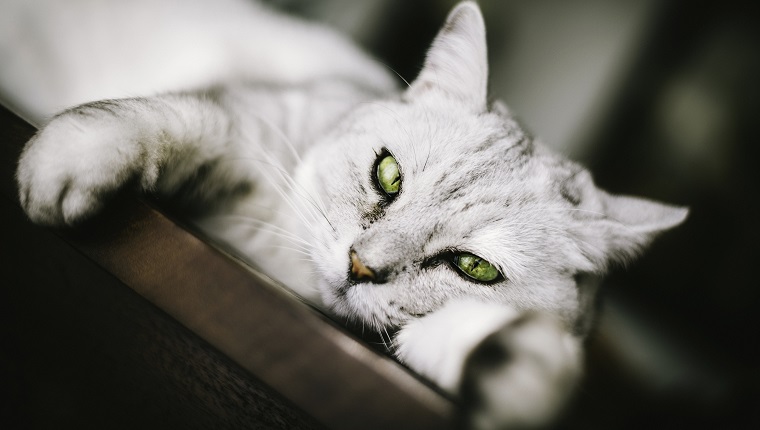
468	184
434	196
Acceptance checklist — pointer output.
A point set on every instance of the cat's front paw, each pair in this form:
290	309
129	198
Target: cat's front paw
521	376
70	166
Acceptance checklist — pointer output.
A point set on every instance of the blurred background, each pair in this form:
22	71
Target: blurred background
660	99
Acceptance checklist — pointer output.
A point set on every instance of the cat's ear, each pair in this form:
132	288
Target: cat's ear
617	228
632	223
457	62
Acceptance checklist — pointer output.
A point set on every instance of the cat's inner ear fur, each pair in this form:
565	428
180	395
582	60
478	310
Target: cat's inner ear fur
457	63
614	229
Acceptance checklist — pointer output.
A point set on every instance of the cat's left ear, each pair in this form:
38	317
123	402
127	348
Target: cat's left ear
457	62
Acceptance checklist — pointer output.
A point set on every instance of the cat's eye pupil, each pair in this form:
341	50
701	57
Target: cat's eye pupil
388	175
476	267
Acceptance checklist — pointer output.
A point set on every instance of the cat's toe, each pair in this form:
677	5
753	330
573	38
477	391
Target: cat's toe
78	205
56	201
521	376
69	167
39	211
41	196
52	202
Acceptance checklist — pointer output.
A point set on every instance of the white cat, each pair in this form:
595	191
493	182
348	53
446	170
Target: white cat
424	211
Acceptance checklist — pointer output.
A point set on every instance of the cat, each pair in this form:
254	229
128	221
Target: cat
424	211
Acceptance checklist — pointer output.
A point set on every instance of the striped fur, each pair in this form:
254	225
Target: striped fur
282	172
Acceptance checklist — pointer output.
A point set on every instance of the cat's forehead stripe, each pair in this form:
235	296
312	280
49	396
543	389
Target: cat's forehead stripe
472	173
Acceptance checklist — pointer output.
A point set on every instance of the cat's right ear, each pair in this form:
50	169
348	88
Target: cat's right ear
614	229
457	63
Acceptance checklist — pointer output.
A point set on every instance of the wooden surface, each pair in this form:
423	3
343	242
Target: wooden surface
130	321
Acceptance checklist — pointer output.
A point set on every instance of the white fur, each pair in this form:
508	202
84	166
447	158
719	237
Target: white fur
58	54
437	345
458	51
532	390
278	155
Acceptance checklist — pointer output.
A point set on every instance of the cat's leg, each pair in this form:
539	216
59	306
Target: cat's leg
88	152
510	370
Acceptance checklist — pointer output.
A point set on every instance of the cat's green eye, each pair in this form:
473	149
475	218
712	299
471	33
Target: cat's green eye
388	175
476	267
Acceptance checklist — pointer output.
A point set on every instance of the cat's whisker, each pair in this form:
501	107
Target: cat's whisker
317	208
377	327
282	136
288	248
249	219
397	73
263	225
318	203
280	171
295	246
277	212
306	253
293	205
307	260
389	339
296	214
429	139
272	229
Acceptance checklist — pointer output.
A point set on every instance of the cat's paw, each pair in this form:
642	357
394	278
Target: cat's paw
521	376
70	166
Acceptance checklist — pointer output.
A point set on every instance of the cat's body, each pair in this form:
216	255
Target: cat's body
470	244
61	54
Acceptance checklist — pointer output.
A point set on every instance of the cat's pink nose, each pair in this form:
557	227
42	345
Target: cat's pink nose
360	272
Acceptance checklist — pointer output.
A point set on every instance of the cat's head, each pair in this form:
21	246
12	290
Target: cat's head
435	195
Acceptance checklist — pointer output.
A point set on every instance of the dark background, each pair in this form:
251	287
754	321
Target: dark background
675	119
